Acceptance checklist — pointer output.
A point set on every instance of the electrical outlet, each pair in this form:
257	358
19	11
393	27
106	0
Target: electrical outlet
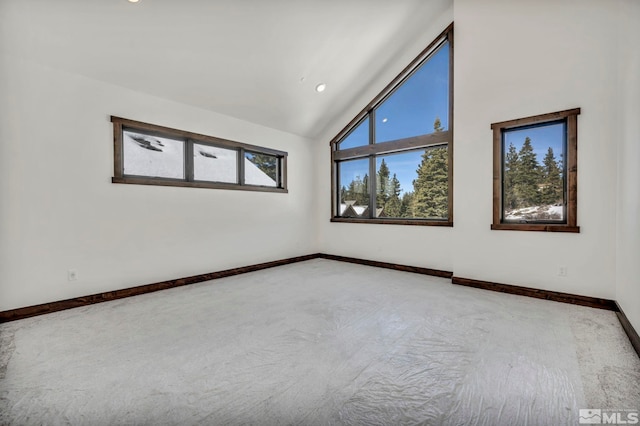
563	271
72	275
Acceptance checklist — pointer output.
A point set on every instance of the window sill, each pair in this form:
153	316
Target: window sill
209	185
418	222
541	227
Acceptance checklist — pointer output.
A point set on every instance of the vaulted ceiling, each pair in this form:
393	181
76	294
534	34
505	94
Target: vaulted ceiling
256	60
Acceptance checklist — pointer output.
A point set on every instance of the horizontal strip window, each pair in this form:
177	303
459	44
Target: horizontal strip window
146	154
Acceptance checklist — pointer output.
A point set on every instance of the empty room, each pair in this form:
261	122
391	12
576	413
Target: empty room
313	212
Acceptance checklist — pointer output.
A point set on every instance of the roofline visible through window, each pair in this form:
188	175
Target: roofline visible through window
122	124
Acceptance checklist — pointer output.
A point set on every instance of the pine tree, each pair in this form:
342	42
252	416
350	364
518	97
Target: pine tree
356	191
383	185
267	163
527	176
396	188
393	206
437	125
552	179
510	170
364	191
405	207
431	187
350	193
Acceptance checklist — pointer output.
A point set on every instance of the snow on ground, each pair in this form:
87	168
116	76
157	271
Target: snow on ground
545	212
161	157
556	210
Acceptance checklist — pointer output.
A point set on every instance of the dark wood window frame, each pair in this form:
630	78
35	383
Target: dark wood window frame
189	138
432	140
570	117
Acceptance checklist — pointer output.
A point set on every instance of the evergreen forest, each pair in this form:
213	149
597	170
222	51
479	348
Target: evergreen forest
527	184
429	198
531	188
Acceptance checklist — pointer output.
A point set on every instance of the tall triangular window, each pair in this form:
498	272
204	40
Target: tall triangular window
393	162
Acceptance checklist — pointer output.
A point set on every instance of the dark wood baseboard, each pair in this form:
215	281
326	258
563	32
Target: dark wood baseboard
405	268
45	308
555	296
628	328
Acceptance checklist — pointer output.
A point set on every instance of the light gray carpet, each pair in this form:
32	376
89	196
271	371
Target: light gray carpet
317	342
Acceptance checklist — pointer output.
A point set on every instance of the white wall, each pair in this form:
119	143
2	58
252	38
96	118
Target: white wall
59	209
520	58
628	232
514	59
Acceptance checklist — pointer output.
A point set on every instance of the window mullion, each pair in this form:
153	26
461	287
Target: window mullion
372	186
188	160
372	165
241	166
415	142
338	197
502	169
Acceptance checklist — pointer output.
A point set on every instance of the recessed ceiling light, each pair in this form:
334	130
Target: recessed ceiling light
133	1
384	120
320	87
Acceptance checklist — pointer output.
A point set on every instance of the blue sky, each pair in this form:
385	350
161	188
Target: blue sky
542	138
412	109
406	112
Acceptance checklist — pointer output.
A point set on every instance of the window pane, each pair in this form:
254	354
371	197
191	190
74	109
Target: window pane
214	164
420	105
358	136
354	188
413	184
152	156
260	169
534	171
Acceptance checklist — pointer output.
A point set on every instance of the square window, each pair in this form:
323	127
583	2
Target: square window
535	173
